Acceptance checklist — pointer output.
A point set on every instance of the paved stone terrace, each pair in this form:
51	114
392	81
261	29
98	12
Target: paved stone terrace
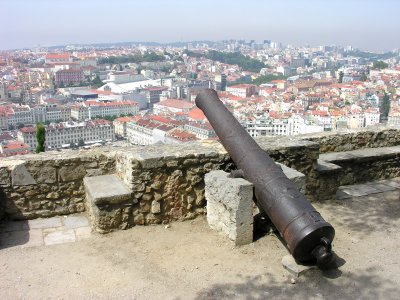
39	232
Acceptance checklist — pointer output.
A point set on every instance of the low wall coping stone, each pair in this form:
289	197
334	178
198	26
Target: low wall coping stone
324	166
372	153
106	189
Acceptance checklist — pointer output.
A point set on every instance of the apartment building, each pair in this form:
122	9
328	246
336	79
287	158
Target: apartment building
242	90
120	125
53	58
148	132
93	109
69	76
201	130
63	134
14	115
286	126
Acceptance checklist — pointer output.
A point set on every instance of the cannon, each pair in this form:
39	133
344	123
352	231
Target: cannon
307	235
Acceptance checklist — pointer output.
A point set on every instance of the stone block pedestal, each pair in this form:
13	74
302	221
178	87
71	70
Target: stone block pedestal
230	203
230	206
109	203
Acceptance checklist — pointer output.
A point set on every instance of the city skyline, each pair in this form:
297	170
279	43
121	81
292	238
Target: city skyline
367	25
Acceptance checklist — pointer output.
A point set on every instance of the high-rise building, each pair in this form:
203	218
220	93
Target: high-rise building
221	79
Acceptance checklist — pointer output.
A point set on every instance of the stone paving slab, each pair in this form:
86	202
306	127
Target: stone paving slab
394	182
361	190
75	221
382	187
60	237
45	223
39	232
358	190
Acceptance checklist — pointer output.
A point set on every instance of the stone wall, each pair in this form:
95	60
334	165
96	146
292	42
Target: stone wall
167	181
360	166
355	139
48	184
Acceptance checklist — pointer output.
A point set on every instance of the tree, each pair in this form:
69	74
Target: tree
385	106
165	69
96	81
81	143
341	74
364	77
379	65
62	85
40	137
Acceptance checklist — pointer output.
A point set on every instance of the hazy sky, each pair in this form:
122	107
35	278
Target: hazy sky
366	24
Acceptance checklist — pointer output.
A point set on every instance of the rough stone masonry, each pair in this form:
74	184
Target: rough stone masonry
167	181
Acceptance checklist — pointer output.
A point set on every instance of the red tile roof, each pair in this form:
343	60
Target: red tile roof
182	135
176	103
28	129
124	119
197	114
99	92
113	103
57	56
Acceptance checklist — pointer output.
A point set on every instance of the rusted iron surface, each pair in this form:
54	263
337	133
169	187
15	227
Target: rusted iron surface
307	234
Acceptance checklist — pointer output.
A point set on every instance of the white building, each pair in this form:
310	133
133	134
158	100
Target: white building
242	90
54	58
372	116
120	125
201	130
148	132
294	125
284	70
93	109
355	121
63	134
18	115
119	77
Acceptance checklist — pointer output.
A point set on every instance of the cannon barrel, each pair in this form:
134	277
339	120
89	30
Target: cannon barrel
307	234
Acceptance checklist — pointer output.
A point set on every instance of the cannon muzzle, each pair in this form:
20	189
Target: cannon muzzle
307	234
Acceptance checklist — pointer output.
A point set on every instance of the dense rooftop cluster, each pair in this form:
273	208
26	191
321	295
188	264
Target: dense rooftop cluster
145	94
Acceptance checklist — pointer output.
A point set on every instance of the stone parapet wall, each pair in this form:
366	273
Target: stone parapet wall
171	178
360	166
167	181
49	184
355	139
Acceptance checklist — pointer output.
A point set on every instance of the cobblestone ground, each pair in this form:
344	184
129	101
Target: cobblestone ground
58	258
